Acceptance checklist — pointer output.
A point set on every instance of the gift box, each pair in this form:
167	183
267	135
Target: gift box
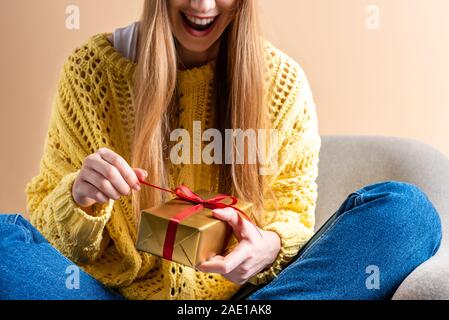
185	232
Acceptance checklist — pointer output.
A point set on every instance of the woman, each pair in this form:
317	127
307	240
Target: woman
198	60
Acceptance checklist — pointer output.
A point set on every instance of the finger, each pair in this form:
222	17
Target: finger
214	258
213	265
237	257
122	166
247	268
229	215
228	264
217	257
140	173
242	273
101	183
88	191
108	171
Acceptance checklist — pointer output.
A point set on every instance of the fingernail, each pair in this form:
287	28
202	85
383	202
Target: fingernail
137	187
146	174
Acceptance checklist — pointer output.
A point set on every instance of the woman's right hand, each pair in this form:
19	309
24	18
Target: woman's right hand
105	175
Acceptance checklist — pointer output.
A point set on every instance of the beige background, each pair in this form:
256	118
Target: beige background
391	81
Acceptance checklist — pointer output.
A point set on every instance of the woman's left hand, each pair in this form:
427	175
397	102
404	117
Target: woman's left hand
250	256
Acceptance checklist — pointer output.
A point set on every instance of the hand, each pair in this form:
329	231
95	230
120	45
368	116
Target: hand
250	256
105	175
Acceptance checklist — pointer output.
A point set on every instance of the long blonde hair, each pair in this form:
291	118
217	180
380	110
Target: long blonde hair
239	98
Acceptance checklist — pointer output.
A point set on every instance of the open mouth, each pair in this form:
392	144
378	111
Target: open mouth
199	24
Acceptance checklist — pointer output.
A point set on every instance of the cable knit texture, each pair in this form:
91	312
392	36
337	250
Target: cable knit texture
93	109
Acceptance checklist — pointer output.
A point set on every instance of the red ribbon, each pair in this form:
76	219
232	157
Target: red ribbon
184	193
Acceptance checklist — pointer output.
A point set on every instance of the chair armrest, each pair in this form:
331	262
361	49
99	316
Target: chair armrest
430	281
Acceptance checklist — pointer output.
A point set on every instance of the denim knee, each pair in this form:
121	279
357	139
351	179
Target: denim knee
14	227
408	207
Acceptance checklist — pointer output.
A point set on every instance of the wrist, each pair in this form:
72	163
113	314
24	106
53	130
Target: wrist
274	246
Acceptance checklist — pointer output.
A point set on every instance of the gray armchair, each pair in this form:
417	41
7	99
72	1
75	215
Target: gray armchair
348	163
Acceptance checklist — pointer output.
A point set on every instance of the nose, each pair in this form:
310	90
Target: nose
202	6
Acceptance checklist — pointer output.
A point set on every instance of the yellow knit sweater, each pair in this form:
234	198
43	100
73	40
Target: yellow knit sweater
93	109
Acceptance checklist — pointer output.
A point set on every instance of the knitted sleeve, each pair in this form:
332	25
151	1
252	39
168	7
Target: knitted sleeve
291	212
78	235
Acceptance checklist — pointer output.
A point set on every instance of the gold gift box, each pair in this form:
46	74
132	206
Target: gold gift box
198	237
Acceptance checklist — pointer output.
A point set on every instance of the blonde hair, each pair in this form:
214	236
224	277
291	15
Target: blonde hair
238	98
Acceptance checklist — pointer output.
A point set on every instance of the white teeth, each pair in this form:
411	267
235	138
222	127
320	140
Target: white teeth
201	22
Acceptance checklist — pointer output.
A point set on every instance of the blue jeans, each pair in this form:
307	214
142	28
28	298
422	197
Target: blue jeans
379	235
32	269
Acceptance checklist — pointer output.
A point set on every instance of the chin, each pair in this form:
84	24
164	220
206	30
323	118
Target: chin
196	48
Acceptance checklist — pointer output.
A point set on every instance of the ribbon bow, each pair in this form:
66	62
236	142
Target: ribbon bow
184	193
